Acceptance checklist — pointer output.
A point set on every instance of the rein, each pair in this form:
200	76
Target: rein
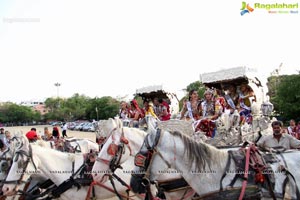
29	157
116	151
144	162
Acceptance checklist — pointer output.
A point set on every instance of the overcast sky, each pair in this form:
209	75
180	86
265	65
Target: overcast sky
111	47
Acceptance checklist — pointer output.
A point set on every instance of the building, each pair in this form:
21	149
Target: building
38	106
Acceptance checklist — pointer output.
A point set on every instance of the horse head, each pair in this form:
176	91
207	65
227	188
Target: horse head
139	180
151	123
20	166
105	127
122	143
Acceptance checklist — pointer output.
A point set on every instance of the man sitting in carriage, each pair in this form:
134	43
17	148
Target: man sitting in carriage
210	110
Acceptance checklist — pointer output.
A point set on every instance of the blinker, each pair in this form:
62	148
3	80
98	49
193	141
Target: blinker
112	149
124	140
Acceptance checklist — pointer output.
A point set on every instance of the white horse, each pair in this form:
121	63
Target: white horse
106	126
119	149
58	166
129	139
79	145
203	166
6	161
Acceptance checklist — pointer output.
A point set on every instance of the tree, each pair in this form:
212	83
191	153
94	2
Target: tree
198	86
107	107
287	97
272	84
13	113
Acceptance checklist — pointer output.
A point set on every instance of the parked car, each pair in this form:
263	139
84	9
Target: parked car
88	127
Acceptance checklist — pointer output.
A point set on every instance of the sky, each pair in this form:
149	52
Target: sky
113	47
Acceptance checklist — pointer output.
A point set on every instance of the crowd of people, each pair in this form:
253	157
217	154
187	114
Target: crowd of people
215	102
204	111
32	135
132	115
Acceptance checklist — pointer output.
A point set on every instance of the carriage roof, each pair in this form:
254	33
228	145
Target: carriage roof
151	92
237	75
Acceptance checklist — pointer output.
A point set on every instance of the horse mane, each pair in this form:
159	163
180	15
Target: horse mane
119	122
200	153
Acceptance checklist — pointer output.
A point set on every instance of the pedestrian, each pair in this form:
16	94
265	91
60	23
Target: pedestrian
2	135
6	139
64	130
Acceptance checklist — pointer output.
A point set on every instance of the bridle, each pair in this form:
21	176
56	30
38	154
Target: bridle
6	161
23	165
6	164
116	151
143	159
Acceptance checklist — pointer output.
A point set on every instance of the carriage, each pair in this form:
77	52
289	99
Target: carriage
236	76
161	92
228	128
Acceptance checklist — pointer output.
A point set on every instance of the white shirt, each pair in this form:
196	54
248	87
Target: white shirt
6	141
65	127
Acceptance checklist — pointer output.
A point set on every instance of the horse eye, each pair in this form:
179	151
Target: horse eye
4	166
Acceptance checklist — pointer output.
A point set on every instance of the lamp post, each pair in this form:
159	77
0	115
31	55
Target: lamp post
57	85
97	112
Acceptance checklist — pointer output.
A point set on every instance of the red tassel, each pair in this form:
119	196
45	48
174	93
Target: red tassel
259	177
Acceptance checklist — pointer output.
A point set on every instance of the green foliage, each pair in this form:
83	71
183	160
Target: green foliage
11	112
287	97
272	84
67	109
107	107
198	86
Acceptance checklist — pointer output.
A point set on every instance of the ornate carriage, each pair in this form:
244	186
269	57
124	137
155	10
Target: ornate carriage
160	91
232	132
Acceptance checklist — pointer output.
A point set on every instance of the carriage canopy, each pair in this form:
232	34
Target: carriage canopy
238	75
162	92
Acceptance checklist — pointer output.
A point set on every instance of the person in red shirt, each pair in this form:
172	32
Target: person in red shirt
32	135
55	132
165	110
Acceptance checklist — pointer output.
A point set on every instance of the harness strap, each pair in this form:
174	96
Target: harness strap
114	187
234	180
64	186
251	192
105	187
173	185
46	184
226	169
271	189
121	181
286	180
244	184
73	166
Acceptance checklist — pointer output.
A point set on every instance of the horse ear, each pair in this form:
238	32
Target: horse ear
119	123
